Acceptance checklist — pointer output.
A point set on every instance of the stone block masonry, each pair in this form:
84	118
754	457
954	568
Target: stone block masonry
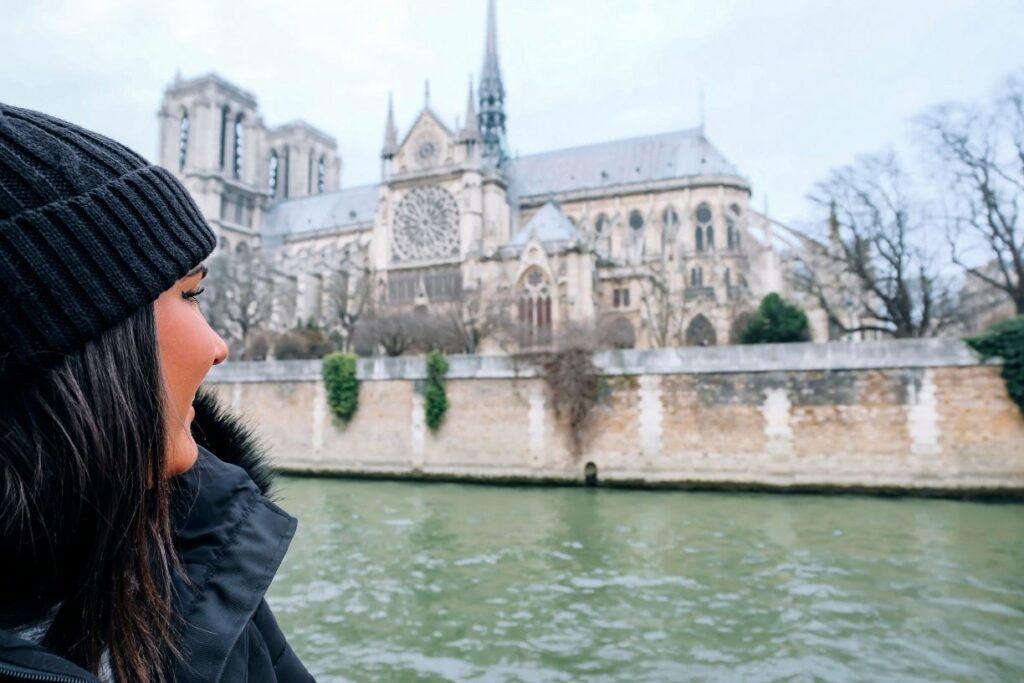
915	416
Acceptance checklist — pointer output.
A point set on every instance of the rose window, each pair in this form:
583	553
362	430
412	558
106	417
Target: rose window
426	225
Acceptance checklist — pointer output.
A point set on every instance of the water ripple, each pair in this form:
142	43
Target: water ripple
409	582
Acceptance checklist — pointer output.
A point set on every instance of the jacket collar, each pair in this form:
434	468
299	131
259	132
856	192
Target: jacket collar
21	659
231	540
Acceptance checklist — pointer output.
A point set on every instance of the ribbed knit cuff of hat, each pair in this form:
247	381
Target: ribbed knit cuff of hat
73	268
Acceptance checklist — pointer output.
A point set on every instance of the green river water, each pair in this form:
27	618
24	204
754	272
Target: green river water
389	581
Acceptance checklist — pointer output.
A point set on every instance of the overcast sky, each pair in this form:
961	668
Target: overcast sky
792	87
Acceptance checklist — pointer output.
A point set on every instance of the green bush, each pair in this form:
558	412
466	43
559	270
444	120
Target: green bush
1006	340
435	401
776	321
339	373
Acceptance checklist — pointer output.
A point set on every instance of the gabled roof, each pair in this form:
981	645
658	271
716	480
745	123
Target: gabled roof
547	225
427	111
337	210
679	154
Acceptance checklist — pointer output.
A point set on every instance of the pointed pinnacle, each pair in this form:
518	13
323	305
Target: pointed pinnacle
390	130
492	32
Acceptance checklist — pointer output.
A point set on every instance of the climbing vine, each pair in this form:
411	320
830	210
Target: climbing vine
575	387
339	373
1006	340
435	401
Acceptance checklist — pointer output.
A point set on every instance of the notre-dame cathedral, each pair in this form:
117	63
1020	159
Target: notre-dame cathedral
653	236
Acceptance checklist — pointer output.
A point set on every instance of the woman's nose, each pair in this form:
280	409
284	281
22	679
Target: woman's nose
220	351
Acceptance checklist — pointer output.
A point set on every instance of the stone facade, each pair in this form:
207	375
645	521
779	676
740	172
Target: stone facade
654	236
920	415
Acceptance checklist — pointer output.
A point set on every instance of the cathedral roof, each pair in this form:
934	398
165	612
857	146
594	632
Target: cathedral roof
665	156
347	208
547	225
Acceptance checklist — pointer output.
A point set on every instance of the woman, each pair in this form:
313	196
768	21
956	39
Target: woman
128	550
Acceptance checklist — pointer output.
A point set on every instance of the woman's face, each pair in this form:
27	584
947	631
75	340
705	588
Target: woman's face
188	349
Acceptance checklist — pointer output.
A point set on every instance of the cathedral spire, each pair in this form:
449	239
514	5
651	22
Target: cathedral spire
390	132
491	118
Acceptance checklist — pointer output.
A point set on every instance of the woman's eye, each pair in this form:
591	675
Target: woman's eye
192	295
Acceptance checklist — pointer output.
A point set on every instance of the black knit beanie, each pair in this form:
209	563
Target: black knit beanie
89	233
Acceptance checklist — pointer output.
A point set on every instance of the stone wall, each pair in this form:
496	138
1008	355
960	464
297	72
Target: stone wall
922	415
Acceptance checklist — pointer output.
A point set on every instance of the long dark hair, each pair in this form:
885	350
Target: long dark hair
84	504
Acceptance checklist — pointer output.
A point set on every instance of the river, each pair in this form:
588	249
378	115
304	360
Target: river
392	581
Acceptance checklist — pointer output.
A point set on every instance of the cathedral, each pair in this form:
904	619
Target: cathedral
652	237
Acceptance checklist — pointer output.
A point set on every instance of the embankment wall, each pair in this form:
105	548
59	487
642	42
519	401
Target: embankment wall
922	415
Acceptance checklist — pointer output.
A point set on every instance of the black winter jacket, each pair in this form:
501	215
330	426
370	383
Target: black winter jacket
231	539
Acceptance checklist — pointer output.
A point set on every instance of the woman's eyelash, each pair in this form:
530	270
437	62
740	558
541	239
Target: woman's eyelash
192	294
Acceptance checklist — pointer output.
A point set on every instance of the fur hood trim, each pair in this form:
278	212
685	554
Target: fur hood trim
228	437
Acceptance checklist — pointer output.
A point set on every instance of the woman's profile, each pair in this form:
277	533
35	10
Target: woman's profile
136	538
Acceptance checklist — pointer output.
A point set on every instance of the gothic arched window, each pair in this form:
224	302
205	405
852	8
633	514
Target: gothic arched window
321	175
182	141
225	115
696	276
534	304
309	174
272	174
669	229
236	163
287	168
670	218
704	234
700	332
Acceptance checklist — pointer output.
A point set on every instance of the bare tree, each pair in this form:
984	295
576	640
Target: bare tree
981	153
480	314
240	297
877	262
399	332
348	299
660	309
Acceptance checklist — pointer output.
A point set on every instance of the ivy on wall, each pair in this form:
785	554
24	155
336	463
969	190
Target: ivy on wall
1006	340
435	401
339	373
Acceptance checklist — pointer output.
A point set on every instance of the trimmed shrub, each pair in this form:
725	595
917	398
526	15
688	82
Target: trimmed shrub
1005	340
302	342
776	321
435	401
339	373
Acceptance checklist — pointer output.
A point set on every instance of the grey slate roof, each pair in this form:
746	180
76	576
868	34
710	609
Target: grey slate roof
678	154
548	225
338	210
